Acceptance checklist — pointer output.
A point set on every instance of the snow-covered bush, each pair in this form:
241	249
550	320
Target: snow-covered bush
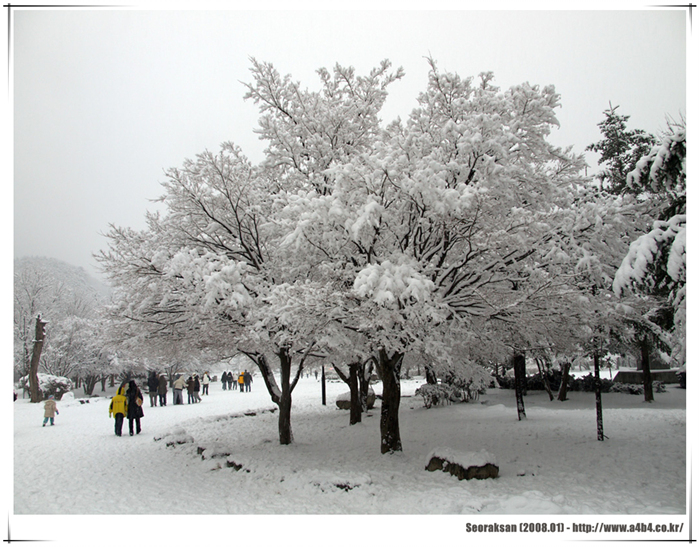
434	394
441	394
49	385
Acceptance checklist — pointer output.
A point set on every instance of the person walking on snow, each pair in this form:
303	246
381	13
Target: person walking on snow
163	389
50	410
247	379
153	388
134	410
190	390
230	380
224	380
118	408
205	383
241	381
197	385
178	386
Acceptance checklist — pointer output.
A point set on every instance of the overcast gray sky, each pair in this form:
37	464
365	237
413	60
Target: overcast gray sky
106	100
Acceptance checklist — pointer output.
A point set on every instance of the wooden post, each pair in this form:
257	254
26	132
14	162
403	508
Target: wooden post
520	383
323	384
646	371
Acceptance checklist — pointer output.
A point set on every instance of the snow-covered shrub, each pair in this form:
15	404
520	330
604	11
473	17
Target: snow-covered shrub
585	383
441	394
435	394
632	389
49	385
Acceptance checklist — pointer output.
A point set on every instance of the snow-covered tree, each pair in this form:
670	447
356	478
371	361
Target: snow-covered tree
619	150
655	264
69	302
206	273
439	220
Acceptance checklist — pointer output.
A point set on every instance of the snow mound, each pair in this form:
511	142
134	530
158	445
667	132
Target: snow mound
176	436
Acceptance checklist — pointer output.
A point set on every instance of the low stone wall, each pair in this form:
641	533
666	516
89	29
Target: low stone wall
636	376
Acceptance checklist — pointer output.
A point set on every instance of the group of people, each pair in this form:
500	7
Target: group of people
127	403
193	385
244	380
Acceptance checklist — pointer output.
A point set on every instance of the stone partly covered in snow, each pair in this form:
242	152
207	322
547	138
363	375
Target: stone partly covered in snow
464	465
343	400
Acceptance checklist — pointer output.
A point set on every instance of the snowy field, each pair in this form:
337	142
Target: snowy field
230	463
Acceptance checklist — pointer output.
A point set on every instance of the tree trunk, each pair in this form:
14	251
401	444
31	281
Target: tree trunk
564	381
646	371
103	380
36	395
89	384
430	376
598	398
323	385
352	381
355	403
285	404
365	377
520	380
390	370
281	397
545	380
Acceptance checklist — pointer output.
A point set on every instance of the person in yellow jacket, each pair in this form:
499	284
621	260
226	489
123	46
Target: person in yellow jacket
241	381
118	407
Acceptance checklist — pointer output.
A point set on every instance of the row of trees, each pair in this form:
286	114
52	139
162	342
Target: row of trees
60	329
461	235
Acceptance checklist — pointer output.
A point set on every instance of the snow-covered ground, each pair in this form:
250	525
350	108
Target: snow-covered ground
231	463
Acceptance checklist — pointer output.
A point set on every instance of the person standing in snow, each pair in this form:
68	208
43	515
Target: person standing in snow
153	388
247	379
224	380
197	398
230	380
241	381
178	386
205	383
163	389
50	410
118	408
134	410
190	390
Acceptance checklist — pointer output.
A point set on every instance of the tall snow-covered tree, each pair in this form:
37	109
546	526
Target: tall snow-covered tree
440	220
655	263
619	150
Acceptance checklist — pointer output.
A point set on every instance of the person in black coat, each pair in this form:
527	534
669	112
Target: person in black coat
134	410
153	388
163	389
197	385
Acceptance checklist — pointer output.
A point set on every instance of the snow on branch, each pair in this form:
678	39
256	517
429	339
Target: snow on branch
665	242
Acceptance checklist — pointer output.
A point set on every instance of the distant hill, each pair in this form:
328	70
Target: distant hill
58	273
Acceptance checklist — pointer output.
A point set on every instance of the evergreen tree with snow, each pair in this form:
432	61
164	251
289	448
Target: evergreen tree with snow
619	150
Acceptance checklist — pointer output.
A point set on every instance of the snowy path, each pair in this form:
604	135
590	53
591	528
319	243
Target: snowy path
550	463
